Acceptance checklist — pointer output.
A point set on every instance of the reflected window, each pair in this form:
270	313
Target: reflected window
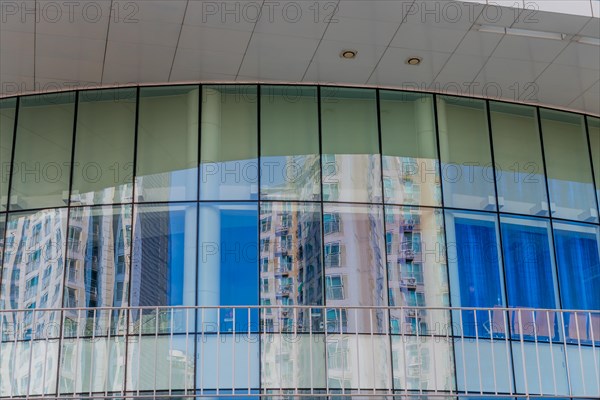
32	272
416	266
290	165
104	141
568	166
294	273
43	151
350	145
8	108
356	255
228	265
167	144
229	143
467	172
520	174
98	254
408	140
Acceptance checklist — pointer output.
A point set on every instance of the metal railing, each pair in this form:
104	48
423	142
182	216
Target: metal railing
299	351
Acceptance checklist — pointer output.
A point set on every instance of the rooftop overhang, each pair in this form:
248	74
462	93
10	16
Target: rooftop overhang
537	52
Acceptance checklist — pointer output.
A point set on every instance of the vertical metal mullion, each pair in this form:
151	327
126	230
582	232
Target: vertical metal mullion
198	204
323	266
590	155
10	179
445	244
129	313
500	240
384	215
67	225
258	231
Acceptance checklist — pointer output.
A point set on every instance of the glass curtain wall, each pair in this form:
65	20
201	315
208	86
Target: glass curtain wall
331	199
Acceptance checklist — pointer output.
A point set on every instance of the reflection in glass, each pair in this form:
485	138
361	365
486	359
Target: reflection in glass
292	361
423	363
229	144
494	371
534	360
104	141
354	362
520	174
43	151
243	374
2	226
578	258
8	108
28	367
160	363
92	365
475	272
97	267
32	273
350	145
289	144
163	268
467	172
568	166
167	144
291	271
354	266
594	133
408	139
228	265
416	268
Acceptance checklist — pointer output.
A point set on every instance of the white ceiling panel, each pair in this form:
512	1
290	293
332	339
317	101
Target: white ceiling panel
157	41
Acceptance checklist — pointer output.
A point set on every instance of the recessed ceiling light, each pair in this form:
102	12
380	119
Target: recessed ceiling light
414	60
348	54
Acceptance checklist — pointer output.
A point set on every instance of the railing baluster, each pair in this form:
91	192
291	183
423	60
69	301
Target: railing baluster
477	352
508	347
565	346
591	325
580	353
490	318
523	362
537	352
357	340
248	348
233	355
462	344
31	340
310	349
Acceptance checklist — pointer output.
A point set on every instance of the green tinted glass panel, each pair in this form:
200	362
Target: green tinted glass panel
104	142
43	151
8	110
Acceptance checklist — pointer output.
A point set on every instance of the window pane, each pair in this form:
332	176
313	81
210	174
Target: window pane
229	165
167	144
290	163
291	272
529	269
98	253
416	268
578	254
475	271
103	166
290	361
164	256
350	145
594	132
422	363
32	273
467	173
410	161
568	166
12	245
578	258
43	151
354	252
518	155
8	109
228	267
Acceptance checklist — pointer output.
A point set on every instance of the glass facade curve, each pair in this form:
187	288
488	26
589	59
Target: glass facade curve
275	240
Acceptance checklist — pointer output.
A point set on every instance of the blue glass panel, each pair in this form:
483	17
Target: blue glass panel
228	264
578	258
475	271
529	275
163	262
